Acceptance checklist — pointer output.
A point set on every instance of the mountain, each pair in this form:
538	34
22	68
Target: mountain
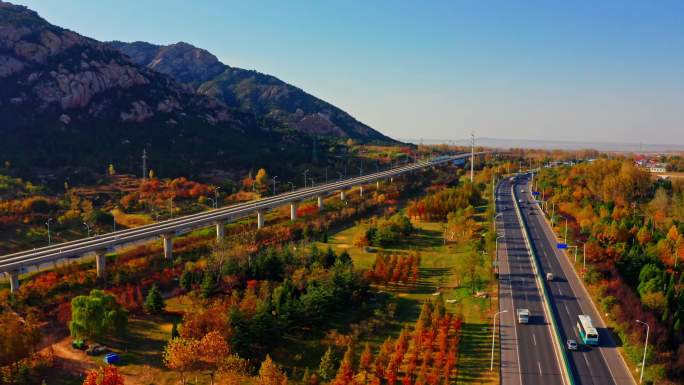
248	91
182	61
68	102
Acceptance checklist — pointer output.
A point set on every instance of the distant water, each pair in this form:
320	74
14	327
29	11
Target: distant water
556	145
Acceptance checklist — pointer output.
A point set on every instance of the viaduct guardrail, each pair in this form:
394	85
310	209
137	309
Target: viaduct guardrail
12	264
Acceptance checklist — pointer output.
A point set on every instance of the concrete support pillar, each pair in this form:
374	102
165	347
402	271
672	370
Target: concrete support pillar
220	230
101	263
168	246
260	219
320	201
377	185
360	191
342	195
391	179
13	277
293	211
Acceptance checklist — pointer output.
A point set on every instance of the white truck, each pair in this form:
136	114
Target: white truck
523	316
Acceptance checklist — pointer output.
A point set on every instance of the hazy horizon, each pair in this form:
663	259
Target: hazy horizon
571	71
554	144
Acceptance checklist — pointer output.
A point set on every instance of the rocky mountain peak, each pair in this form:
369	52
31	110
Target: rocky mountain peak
183	61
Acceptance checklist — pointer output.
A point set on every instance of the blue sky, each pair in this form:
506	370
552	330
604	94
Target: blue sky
552	70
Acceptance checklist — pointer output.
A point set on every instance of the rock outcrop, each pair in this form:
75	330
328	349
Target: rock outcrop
263	95
50	68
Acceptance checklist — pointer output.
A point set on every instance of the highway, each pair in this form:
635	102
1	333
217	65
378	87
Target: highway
12	263
527	350
589	365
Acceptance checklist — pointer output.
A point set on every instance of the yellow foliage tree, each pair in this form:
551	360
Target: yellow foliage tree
180	355
261	180
270	373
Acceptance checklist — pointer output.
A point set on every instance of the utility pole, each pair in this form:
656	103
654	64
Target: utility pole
48	229
472	155
144	164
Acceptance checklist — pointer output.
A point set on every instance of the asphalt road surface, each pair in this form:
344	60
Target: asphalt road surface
527	352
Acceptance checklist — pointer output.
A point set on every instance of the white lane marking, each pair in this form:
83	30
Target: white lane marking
587	361
515	324
539	365
560	291
567	311
534	340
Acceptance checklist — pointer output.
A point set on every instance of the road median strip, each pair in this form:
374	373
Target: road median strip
558	346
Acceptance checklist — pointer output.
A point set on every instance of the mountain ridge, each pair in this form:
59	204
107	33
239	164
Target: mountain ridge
248	90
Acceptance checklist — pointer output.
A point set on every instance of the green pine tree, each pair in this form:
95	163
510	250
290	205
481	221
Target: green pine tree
174	330
208	286
154	303
186	280
327	368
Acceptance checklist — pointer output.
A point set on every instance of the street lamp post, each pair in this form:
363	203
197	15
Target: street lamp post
87	228
48	230
274	184
216	197
566	231
292	186
496	216
643	360
213	202
491	365
305	172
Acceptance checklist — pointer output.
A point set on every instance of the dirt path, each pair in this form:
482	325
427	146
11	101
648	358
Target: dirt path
70	359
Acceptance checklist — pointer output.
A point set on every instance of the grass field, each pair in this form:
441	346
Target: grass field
141	356
438	273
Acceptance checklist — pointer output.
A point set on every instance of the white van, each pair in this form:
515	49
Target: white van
523	316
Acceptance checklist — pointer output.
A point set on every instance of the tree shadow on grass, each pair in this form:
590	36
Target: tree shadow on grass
144	342
474	353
